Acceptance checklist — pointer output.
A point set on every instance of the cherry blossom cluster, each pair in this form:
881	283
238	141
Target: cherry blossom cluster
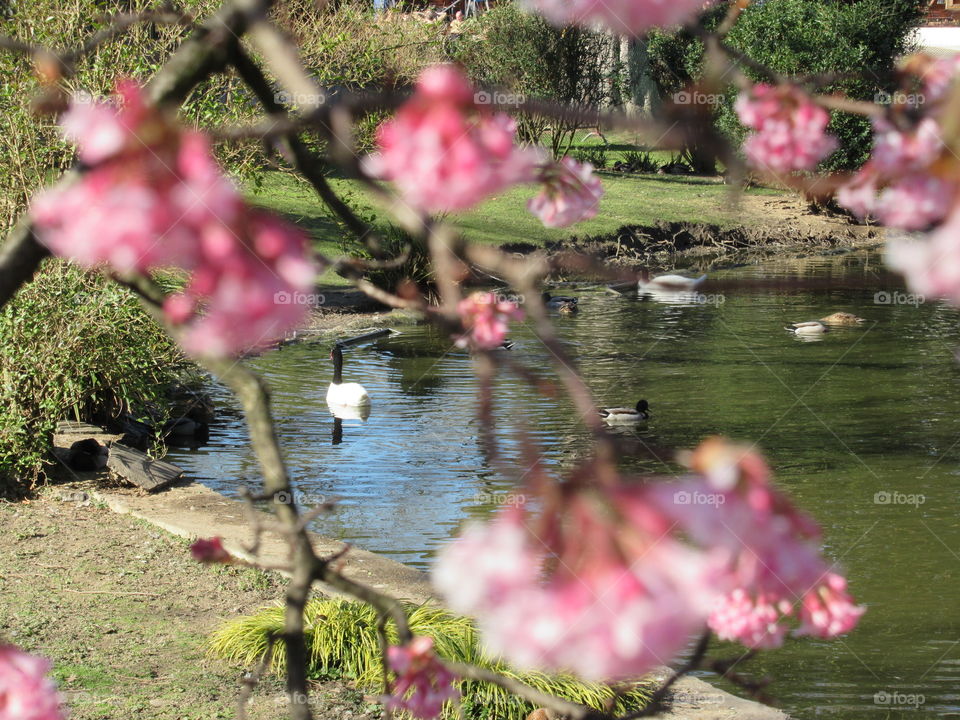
571	193
486	319
153	196
423	684
26	691
624	17
789	129
447	152
444	151
770	550
609	580
911	182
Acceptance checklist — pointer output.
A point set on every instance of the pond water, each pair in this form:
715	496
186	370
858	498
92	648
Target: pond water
862	428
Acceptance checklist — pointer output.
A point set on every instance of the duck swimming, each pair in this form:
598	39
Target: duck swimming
564	303
624	415
811	327
842	318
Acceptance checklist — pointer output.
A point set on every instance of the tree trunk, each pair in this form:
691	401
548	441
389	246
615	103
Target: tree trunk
641	95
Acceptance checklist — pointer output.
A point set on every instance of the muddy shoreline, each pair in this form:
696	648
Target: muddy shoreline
695	247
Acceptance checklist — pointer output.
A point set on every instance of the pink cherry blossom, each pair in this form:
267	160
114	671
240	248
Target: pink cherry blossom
210	550
570	194
423	684
26	691
486	319
623	17
897	185
770	548
897	151
444	151
938	76
790	130
931	265
616	601
828	610
155	197
753	621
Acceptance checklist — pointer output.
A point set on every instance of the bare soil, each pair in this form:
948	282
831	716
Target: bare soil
123	612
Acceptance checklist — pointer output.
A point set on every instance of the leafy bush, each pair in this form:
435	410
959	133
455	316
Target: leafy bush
74	344
858	41
642	162
596	156
342	641
397	243
527	57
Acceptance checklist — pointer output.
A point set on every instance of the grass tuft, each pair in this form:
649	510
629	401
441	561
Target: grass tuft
342	641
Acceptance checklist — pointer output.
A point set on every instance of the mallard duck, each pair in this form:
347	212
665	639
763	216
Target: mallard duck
343	394
842	318
564	303
670	283
811	327
619	415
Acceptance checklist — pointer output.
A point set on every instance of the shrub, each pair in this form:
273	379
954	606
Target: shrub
397	243
342	641
524	55
74	344
596	156
642	162
859	38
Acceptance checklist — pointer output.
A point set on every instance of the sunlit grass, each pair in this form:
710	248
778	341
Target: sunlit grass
628	200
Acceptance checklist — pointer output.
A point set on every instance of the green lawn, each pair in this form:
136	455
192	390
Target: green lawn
628	200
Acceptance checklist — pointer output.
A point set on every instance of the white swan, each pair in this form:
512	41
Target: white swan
341	394
670	283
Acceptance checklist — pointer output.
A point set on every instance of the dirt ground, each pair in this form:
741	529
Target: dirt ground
123	612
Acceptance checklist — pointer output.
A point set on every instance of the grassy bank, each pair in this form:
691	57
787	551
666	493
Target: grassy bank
629	200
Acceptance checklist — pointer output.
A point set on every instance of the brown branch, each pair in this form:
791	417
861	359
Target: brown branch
385	668
20	256
653	707
303	160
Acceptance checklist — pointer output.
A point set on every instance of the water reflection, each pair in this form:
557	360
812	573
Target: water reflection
867	410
